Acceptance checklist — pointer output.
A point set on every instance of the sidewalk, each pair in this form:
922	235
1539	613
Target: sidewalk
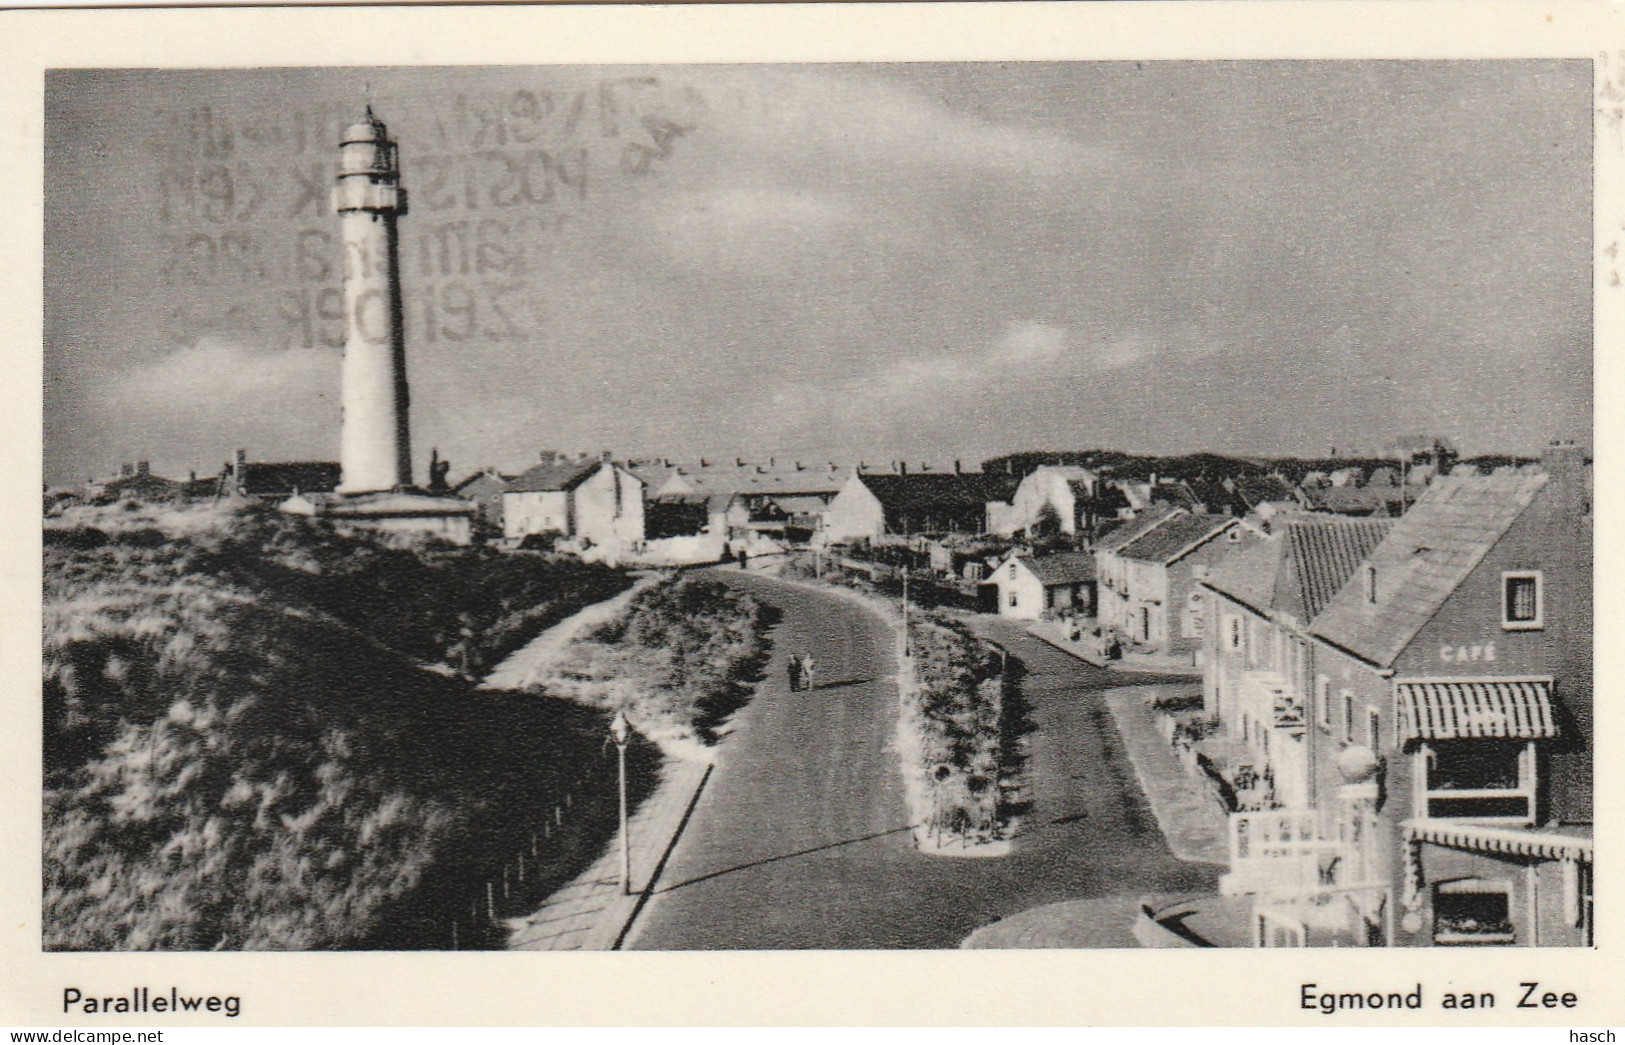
1131	660
1195	827
590	913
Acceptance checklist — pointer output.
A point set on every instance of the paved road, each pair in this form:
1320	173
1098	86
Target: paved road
801	839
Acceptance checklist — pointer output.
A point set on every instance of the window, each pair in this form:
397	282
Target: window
1373	729
1472	911
1522	600
1478	779
1323	702
1348	716
1234	624
1015	599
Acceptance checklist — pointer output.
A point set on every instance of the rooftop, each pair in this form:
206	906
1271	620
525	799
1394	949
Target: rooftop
556	474
1175	537
1424	558
1062	567
1302	565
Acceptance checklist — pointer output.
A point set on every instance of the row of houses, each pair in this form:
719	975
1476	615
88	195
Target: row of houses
1408	703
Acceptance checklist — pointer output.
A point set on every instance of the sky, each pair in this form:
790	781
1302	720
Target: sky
835	262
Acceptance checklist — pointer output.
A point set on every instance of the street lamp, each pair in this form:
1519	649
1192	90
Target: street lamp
907	646
620	731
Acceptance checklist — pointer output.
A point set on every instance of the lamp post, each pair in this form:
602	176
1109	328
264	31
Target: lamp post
620	731
907	650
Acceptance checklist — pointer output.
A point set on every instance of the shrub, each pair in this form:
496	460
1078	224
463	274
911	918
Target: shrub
679	661
953	722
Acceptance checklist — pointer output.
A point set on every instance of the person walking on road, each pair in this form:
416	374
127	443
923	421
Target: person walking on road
807	671
794	668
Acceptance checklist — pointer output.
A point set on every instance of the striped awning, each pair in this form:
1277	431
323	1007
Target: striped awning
1520	709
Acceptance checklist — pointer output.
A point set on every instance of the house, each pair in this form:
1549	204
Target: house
277	481
870	506
590	500
135	482
1450	733
1061	497
484	488
785	500
1028	587
1159	605
1111	570
1379	501
1257	655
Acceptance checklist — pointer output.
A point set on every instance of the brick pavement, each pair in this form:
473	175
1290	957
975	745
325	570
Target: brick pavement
590	913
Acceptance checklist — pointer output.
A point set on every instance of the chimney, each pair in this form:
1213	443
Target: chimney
126	470
143	468
239	467
1562	459
902	467
605	456
194	475
959	467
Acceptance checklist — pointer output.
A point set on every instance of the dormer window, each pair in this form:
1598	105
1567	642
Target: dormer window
1522	601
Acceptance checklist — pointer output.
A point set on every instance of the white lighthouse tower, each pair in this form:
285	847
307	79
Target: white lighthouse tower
376	444
375	488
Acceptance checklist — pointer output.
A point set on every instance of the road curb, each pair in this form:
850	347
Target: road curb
665	855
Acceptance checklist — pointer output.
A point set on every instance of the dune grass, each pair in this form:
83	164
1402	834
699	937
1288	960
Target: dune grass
243	750
679	661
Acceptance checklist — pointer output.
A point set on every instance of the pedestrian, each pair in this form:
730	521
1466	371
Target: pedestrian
807	672
795	672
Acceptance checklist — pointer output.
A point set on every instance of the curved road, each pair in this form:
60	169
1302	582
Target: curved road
801	838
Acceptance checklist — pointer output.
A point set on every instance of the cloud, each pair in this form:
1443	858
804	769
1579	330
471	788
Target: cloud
220	394
221	371
1028	343
1026	353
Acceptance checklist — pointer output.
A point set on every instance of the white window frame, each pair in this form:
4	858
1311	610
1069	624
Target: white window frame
1539	622
1528	784
1345	723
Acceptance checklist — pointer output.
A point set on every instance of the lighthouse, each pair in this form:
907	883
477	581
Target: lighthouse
375	450
375	489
